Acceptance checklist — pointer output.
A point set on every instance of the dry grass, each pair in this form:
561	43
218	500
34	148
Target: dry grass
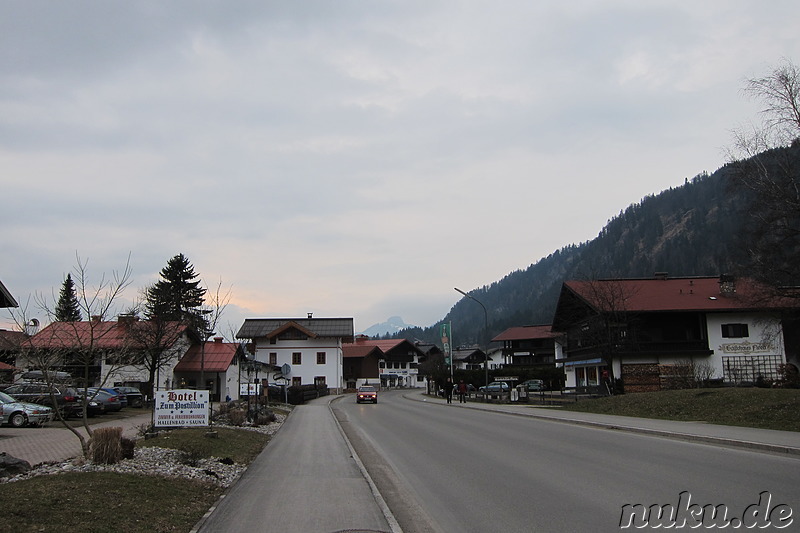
748	407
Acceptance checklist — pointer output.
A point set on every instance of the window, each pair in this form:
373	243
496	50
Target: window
320	358
273	359
735	331
296	382
297	358
319	381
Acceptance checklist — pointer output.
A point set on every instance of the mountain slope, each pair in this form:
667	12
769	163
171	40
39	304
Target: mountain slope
690	230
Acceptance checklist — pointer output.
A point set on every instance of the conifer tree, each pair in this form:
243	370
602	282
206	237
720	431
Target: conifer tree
177	295
68	308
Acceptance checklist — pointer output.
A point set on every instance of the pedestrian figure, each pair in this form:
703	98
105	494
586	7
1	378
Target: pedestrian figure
462	392
448	390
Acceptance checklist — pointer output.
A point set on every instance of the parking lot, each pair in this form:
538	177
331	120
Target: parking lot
54	442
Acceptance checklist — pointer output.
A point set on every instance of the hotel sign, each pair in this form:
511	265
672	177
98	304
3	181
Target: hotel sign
746	348
182	408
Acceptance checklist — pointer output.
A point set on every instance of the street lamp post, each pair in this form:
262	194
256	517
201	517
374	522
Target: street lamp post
486	331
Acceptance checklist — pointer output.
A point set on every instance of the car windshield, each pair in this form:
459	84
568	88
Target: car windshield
366	389
5	398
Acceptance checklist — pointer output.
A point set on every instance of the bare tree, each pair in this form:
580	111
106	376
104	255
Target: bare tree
765	164
78	346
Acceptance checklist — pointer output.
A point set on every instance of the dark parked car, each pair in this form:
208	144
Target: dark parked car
110	401
135	396
67	399
533	385
121	396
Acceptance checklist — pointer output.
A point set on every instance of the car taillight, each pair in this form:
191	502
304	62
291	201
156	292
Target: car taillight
69	398
112	399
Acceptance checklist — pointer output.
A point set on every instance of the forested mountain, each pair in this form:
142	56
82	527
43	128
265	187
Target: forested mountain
691	230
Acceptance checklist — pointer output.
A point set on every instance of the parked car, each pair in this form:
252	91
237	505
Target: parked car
110	401
367	393
495	386
533	385
67	399
135	396
122	397
20	414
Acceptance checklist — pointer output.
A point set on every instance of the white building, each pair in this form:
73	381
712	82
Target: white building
311	347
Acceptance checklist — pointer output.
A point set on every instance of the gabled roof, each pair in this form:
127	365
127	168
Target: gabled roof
11	340
361	350
392	349
526	333
6	300
102	335
216	357
313	327
469	354
676	294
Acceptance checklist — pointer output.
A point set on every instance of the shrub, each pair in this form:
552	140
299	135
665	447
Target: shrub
193	452
106	445
127	446
237	417
264	418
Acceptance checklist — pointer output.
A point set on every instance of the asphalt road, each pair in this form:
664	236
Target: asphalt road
443	468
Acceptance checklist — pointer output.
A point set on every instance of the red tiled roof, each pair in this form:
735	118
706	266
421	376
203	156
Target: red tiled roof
217	357
4	366
11	340
384	345
360	350
97	334
678	294
526	332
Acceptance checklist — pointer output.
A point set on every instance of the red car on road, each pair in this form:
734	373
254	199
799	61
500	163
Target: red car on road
367	393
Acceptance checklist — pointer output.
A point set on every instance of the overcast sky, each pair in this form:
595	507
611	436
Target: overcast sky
354	158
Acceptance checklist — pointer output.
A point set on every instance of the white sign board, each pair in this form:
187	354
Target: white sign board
249	389
181	408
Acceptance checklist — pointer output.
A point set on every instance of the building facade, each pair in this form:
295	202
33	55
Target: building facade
666	332
311	347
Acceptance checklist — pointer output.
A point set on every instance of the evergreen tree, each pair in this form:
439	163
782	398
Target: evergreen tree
177	295
68	308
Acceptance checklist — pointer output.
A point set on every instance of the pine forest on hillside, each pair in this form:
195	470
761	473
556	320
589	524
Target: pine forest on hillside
697	229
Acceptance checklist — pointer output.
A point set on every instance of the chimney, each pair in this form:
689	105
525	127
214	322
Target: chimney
126	320
310	315
727	285
218	340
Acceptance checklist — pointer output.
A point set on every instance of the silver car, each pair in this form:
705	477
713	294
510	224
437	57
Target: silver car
20	414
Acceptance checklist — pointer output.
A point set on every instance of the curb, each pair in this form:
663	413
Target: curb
394	525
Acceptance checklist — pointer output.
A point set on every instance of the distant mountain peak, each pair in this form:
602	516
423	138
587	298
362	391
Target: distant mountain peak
392	325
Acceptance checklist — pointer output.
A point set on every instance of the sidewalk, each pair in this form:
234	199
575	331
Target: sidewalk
308	479
55	442
769	440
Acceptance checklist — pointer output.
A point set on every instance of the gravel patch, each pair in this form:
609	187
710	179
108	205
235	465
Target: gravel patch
156	461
